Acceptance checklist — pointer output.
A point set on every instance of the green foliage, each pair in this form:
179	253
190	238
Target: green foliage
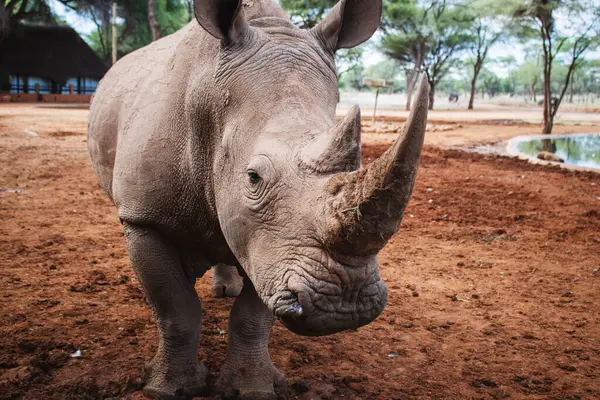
427	36
529	74
307	13
133	29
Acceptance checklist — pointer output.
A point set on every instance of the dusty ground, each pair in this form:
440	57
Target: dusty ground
494	283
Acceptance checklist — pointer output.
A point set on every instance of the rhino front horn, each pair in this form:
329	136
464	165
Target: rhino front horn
364	208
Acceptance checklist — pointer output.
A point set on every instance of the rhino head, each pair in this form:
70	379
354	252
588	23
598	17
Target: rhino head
301	216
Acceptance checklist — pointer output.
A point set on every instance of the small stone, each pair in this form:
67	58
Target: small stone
460	264
488	383
567	367
528	336
415	294
300	387
475	296
452	297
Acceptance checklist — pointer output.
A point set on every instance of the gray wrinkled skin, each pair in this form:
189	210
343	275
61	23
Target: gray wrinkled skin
219	146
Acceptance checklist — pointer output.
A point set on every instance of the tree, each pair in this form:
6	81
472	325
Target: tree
15	11
529	74
307	13
490	82
407	38
450	26
134	30
152	21
582	35
487	29
426	35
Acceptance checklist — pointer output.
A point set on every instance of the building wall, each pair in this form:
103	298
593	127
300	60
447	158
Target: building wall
45	98
21	84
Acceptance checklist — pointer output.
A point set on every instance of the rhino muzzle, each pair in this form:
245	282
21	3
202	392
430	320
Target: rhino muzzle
310	313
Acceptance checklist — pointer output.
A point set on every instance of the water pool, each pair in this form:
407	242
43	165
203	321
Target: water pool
582	150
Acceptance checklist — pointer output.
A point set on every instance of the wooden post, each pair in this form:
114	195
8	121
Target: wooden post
378	83
376	101
114	33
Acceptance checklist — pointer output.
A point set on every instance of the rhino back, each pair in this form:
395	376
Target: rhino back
142	132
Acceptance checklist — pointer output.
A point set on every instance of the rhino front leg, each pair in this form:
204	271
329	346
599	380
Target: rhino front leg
174	372
227	282
249	372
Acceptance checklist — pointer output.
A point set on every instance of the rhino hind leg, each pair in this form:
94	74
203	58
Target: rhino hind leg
249	372
174	372
227	282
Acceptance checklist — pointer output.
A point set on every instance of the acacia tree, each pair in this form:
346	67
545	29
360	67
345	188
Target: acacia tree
15	11
580	36
407	38
135	29
428	36
486	30
307	13
529	74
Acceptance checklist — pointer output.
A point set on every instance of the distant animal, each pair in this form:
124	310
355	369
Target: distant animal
453	98
219	146
547	156
553	102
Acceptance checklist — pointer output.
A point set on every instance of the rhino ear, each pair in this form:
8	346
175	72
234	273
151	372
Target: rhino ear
223	19
349	23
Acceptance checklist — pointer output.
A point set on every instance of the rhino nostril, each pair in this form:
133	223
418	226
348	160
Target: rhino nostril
293	311
297	310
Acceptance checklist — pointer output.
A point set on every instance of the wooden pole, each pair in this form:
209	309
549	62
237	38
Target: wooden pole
375	110
114	33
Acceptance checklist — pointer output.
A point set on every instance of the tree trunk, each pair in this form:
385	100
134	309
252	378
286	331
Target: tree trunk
533	94
431	95
548	117
152	21
410	87
4	22
571	93
472	98
476	70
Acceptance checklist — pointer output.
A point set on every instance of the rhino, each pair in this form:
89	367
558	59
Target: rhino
219	145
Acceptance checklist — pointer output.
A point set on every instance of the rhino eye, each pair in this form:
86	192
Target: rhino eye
253	177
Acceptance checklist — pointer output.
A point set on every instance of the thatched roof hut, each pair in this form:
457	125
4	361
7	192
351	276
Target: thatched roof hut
52	53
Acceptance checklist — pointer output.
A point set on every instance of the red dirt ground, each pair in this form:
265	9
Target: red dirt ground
494	282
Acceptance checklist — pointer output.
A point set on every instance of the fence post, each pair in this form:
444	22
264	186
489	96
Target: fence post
375	109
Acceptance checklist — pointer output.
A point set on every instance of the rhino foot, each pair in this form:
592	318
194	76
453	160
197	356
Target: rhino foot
263	383
227	282
164	383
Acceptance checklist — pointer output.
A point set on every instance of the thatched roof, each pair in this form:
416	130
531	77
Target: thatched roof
54	52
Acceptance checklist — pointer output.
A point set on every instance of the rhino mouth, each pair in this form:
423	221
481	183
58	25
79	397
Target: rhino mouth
309	312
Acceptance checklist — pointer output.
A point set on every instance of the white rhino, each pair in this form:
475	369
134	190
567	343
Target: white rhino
219	144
